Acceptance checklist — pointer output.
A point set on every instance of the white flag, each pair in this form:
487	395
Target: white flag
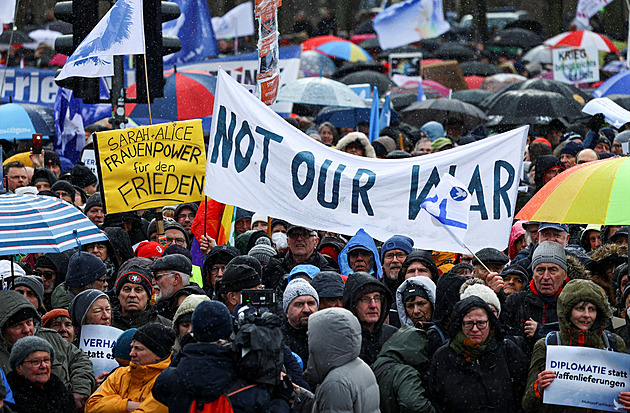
120	32
449	203
7	11
237	22
587	9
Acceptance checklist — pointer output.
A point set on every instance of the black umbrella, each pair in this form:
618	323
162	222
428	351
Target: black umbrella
402	49
444	111
621	100
58	26
365	27
517	37
479	69
454	51
528	24
472	96
357	67
371	43
575	96
400	102
17	38
381	81
533	107
431	44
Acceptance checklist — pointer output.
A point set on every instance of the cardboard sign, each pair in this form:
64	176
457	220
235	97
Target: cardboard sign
446	73
587	377
151	166
97	343
576	65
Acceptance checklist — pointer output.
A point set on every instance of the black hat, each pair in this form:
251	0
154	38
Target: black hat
63	186
516	269
135	274
238	277
242	213
82	176
172	262
94	200
83	269
177	249
157	338
490	256
246	260
328	284
51	158
278	221
291	227
43	174
211	321
34	283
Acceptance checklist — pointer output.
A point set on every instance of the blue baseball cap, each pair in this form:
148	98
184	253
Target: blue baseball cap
558	227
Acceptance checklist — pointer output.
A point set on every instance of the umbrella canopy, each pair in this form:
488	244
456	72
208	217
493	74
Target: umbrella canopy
357	67
188	94
454	51
479	69
443	111
320	91
409	48
336	47
517	37
472	96
496	82
316	64
33	223
541	54
621	100
577	97
474	82
618	84
347	117
526	23
616	66
22	120
370	43
18	37
591	193
382	82
431	89
534	107
583	38
43	36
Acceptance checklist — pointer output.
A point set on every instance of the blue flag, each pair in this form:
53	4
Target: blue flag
194	29
421	95
386	114
68	125
374	117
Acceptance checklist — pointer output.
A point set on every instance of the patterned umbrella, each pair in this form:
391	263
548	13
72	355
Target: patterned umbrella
591	193
541	54
336	47
582	38
22	120
188	94
314	64
34	223
320	91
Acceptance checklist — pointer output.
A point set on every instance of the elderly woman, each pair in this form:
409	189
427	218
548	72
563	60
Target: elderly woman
477	371
328	133
133	310
89	307
583	312
60	321
35	388
415	301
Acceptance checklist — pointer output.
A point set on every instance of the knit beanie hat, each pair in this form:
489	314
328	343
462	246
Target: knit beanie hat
27	345
157	338
81	304
122	348
34	283
549	252
295	289
51	158
83	269
328	284
82	176
262	252
63	186
52	315
211	321
94	200
242	213
148	249
476	287
237	277
572	148
397	242
186	308
135	274
43	175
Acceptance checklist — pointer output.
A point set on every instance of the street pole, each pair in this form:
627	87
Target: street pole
118	93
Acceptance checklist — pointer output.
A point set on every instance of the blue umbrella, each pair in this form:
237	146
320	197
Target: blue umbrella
22	120
619	84
37	223
347	117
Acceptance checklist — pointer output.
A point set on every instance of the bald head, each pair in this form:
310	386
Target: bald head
586	155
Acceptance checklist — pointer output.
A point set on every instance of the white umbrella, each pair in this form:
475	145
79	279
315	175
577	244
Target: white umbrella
40	36
541	54
320	91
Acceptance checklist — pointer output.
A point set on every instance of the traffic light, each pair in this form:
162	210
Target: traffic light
156	12
83	15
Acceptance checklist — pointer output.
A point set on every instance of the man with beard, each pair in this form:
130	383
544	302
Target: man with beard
171	273
300	300
393	254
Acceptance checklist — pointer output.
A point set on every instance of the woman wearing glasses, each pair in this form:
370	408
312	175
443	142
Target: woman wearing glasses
35	388
478	370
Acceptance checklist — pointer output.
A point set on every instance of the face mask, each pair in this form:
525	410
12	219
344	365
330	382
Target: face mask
280	240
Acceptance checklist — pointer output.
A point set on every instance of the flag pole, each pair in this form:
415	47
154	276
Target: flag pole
146	78
465	246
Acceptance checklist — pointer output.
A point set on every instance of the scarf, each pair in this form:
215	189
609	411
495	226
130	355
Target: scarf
468	349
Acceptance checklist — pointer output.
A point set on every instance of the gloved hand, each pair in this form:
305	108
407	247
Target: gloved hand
284	390
595	122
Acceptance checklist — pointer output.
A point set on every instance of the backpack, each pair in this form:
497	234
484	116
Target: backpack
220	405
553	338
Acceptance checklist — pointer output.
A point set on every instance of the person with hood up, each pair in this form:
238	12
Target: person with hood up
399	369
419	263
214	266
590	239
415	301
582	314
369	300
356	143
477	353
546	167
360	255
345	382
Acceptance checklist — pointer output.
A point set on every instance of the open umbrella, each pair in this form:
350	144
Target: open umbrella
188	94
319	91
479	69
358	67
496	82
541	54
618	84
431	89
621	100
472	96
39	224
371	44
316	64
533	107
43	36
518	37
583	38
526	23
454	51
591	193
22	120
443	111
347	117
14	37
382	82
336	47
474	82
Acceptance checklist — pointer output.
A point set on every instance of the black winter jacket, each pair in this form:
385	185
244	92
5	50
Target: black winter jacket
53	397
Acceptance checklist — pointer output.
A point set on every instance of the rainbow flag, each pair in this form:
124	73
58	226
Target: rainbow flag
226	229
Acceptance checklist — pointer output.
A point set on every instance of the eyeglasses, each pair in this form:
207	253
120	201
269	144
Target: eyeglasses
391	255
37	362
468	325
367	300
303	235
178	241
48	275
184	216
103	279
215	269
158	277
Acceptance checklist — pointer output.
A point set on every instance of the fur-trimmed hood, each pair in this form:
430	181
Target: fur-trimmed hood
368	150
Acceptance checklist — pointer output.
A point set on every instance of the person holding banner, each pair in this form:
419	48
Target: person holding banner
583	313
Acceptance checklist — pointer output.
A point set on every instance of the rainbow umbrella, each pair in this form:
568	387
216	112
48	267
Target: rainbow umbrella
591	193
334	46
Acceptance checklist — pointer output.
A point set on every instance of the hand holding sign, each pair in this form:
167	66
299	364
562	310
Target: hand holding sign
613	113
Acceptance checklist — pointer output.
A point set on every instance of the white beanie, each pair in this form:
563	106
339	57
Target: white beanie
476	287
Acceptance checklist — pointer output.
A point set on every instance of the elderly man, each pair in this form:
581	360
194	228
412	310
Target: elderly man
393	254
18	318
302	243
94	209
496	261
585	156
299	301
547	231
15	176
171	273
360	255
568	154
527	312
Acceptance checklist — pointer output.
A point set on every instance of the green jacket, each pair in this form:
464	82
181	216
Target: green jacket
573	293
60	297
397	371
70	364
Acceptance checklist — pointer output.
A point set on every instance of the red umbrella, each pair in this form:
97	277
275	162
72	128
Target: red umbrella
474	82
314	42
583	38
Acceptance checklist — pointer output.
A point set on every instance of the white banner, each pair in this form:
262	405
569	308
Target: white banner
587	9
259	162
7	11
237	22
613	113
97	343
576	64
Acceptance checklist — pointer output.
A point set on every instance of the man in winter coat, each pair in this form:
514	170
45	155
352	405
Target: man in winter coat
368	299
345	382
393	254
302	243
360	255
300	301
18	318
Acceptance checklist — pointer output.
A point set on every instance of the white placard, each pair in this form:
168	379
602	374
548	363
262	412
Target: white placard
97	342
576	64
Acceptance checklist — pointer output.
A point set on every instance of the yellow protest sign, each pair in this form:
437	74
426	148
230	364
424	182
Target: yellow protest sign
151	166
